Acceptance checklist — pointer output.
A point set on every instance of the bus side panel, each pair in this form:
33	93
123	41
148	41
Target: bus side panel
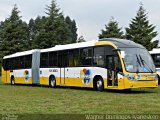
76	76
101	72
72	77
5	76
22	76
8	76
3	79
45	73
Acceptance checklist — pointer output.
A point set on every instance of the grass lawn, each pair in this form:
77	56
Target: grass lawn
43	100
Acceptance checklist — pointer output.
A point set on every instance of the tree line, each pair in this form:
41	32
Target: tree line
54	28
139	30
43	32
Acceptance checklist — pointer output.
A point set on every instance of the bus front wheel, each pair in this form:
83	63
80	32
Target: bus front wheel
52	82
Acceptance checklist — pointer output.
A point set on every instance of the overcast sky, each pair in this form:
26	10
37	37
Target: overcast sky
90	15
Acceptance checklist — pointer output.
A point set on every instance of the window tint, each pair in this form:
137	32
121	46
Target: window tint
109	50
5	64
156	59
98	59
53	59
63	58
22	62
74	58
16	62
28	61
86	56
44	60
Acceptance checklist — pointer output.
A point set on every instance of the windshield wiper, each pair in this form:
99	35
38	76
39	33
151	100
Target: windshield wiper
138	61
144	63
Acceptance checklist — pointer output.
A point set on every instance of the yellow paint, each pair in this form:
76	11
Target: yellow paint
21	80
139	84
105	83
44	81
5	76
99	43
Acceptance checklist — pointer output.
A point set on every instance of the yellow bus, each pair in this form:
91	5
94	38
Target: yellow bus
108	63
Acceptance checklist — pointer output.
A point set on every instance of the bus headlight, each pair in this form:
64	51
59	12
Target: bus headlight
130	77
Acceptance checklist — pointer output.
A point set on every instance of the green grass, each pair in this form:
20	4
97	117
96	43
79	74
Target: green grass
44	100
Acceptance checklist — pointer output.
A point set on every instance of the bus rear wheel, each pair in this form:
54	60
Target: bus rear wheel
99	84
52	82
12	80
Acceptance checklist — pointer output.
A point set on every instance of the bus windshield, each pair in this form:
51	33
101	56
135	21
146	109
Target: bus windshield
137	60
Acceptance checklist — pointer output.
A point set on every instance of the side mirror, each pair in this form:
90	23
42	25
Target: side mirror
123	54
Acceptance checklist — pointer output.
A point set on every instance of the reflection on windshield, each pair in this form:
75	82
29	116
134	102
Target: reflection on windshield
138	60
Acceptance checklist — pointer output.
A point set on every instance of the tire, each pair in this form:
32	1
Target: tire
12	80
158	79
99	84
52	82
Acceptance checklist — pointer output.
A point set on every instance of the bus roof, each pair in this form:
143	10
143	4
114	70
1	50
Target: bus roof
71	46
155	51
20	54
122	43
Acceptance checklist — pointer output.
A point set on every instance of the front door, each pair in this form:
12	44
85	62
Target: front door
62	61
112	65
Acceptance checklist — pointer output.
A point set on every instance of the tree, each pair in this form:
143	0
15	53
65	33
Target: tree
34	28
140	31
73	28
55	30
111	30
80	39
14	34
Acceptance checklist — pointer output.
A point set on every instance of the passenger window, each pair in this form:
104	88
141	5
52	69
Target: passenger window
98	59
86	56
74	58
28	61
44	60
53	59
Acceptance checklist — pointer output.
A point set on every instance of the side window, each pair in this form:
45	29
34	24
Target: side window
74	58
16	62
53	59
156	59
11	63
44	60
63	58
21	62
98	59
86	56
109	50
153	57
28	61
112	59
5	64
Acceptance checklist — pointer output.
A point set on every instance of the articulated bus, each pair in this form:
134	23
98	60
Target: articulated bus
108	63
155	53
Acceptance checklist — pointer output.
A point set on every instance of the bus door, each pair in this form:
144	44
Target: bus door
112	65
62	61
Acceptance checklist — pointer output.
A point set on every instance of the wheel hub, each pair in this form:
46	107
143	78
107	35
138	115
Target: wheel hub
99	83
